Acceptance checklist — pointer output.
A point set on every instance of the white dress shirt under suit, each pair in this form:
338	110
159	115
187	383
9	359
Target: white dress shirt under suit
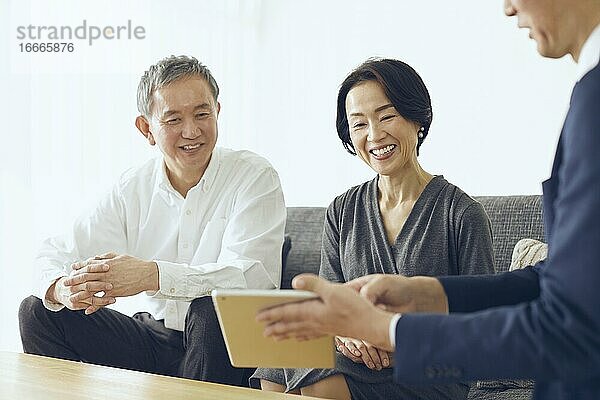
226	233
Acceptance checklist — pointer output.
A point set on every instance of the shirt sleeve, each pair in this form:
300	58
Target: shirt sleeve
250	255
100	231
392	329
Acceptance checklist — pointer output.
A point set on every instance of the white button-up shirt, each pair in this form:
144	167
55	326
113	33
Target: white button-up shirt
226	233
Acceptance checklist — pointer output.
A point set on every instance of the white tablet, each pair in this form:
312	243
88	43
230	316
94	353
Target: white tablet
246	345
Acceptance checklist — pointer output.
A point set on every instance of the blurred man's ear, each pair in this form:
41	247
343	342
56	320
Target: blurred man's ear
218	108
144	127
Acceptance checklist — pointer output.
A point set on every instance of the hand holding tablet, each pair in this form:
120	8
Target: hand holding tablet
246	344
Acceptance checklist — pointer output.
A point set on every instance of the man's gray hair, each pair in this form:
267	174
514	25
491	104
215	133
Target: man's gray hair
169	70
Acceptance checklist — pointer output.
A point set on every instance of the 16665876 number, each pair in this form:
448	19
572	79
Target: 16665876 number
48	47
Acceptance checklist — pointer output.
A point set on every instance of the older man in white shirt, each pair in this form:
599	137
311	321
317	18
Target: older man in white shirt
199	217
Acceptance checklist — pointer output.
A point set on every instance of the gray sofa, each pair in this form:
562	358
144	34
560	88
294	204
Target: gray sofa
512	217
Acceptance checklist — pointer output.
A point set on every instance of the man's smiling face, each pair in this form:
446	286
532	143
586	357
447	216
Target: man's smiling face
184	125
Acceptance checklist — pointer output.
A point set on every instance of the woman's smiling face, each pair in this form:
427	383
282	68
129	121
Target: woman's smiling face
381	137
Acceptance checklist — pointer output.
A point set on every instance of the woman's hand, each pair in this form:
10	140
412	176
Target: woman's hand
345	346
360	351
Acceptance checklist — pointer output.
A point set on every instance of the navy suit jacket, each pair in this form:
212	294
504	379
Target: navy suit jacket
543	322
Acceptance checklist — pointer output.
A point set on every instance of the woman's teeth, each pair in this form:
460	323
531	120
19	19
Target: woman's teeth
384	150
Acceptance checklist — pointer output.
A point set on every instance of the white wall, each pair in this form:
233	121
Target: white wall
67	119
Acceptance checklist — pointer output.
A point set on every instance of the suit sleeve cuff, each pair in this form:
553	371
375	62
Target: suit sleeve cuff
392	330
470	293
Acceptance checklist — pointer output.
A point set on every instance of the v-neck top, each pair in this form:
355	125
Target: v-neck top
446	233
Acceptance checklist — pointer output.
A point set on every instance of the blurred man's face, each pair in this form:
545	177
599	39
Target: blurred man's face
550	24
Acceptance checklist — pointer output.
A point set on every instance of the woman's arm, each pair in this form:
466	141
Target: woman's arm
474	242
331	268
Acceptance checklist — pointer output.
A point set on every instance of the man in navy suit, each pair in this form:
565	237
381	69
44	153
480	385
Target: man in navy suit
542	322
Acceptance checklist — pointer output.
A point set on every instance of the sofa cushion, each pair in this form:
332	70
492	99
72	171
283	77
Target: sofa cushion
513	218
304	225
528	252
501	394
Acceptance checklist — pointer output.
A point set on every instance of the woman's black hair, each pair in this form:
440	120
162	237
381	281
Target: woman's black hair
402	85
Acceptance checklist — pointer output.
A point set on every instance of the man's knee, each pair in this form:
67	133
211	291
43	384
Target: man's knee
202	326
202	309
33	324
205	351
29	312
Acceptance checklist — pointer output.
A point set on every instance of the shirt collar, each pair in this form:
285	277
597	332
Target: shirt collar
210	173
162	180
590	54
205	182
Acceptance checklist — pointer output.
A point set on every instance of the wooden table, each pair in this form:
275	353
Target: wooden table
27	377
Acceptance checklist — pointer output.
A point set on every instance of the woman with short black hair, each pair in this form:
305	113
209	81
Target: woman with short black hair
404	221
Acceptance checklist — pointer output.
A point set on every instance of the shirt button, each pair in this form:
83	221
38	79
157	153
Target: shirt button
188	212
172	290
185	245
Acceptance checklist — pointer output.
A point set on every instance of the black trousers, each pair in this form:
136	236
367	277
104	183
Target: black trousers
141	343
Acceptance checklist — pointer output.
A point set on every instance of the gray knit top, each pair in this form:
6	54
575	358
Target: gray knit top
446	233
